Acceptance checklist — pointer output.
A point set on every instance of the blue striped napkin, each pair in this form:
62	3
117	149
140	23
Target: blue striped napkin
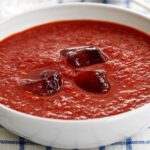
8	141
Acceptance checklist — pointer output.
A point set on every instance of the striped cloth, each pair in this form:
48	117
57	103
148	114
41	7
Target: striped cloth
8	141
8	7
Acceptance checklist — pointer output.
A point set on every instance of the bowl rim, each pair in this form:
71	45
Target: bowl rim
103	119
72	4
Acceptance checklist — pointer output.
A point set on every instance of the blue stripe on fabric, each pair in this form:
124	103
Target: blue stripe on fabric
140	142
102	148
127	2
48	148
60	1
8	142
105	1
128	144
21	143
132	142
16	142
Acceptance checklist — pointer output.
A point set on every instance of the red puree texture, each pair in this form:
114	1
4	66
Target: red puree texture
127	69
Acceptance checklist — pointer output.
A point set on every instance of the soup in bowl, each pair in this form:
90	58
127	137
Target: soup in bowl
75	79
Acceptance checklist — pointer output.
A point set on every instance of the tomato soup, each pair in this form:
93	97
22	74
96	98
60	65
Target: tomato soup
75	70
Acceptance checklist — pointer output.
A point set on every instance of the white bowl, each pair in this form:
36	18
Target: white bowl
75	133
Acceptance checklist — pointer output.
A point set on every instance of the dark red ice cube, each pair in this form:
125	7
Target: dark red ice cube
46	82
83	56
92	81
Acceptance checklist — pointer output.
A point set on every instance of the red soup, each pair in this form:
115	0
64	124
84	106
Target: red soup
75	70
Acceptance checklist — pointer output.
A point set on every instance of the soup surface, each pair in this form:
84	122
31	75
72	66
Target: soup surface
40	75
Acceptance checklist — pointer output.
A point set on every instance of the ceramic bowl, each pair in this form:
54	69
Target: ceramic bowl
75	133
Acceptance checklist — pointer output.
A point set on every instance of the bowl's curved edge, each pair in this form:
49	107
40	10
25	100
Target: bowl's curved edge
108	118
